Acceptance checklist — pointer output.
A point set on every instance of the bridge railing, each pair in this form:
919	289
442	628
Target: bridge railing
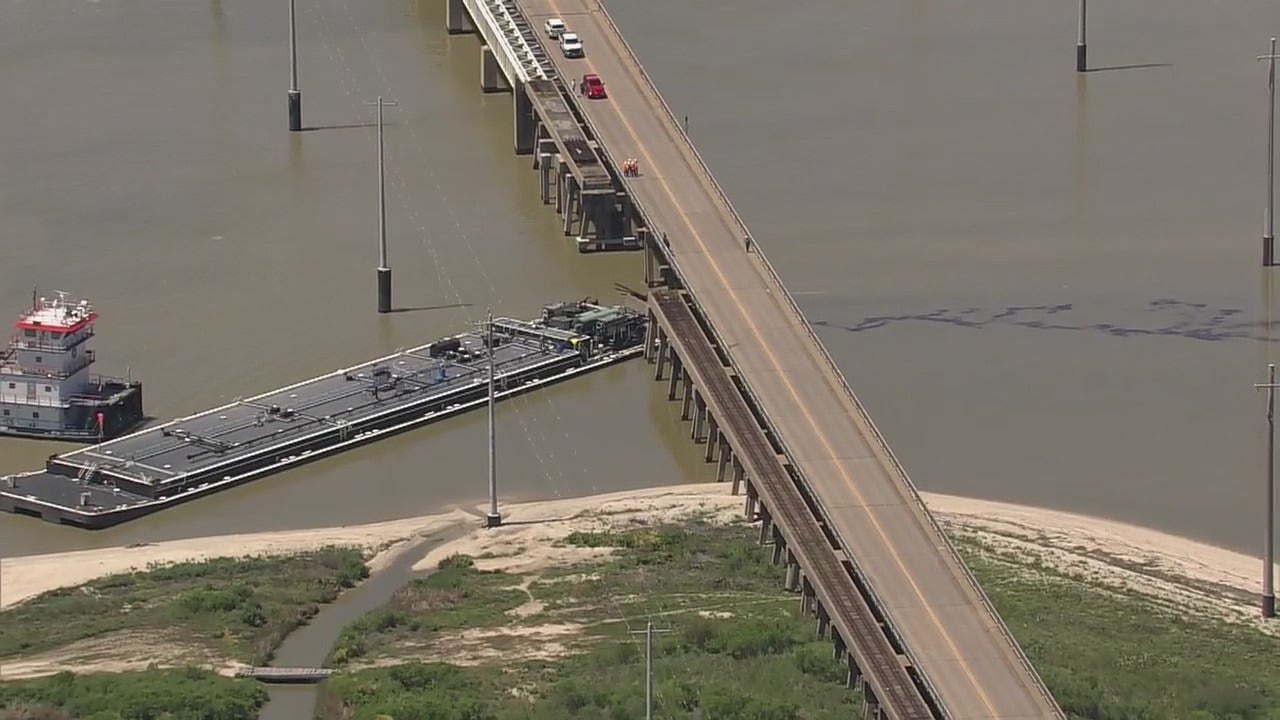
711	182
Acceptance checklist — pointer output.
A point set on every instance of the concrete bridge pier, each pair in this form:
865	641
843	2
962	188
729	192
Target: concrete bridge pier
661	353
738	475
544	161
572	203
779	546
699	416
651	332
457	20
839	648
792	581
723	462
491	77
526	121
686	398
749	511
713	438
677	372
766	526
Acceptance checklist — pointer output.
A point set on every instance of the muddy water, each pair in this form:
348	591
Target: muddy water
1043	285
310	644
146	166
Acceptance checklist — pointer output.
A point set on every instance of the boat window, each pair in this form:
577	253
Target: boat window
48	388
29	333
12	386
35	415
6	412
39	359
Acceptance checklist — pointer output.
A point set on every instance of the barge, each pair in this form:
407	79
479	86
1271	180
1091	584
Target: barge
48	389
138	474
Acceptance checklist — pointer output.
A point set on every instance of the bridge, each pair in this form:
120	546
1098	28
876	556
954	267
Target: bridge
919	636
292	675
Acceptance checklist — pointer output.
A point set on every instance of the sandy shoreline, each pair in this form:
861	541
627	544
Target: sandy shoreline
1176	572
1065	538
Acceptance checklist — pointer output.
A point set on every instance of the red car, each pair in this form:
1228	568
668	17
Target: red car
592	86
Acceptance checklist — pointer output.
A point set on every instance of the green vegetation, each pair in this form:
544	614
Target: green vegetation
237	608
189	694
1112	656
739	649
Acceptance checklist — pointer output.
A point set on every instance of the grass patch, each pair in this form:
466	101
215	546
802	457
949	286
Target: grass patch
186	694
739	650
455	596
241	608
1113	656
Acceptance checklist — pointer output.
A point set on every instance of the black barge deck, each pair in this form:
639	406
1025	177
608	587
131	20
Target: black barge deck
123	479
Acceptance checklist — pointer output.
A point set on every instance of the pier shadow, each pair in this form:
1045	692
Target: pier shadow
426	308
1138	66
347	126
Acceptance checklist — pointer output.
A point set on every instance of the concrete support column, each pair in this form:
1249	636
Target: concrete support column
661	359
779	546
561	173
456	18
572	203
699	416
686	398
749	511
807	598
725	452
677	371
824	621
793	574
522	109
626	214
650	336
713	437
738	474
491	77
838	642
766	526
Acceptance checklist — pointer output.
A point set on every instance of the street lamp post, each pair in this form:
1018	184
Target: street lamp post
295	95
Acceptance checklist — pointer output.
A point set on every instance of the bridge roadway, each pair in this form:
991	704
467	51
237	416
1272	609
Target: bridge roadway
952	634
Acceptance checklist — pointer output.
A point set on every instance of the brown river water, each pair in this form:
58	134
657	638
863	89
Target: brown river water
1043	285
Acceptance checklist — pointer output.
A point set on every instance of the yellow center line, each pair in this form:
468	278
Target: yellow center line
643	149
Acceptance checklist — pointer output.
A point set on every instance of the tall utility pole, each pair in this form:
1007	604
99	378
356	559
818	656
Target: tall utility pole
1268	554
384	270
494	518
1268	221
1082	48
295	95
648	666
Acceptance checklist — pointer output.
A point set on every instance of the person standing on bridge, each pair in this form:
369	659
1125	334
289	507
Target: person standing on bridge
747	240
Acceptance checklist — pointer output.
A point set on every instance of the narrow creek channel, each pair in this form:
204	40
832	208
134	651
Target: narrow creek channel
309	645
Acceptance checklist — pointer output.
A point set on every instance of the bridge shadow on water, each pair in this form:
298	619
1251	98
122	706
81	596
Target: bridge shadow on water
1164	317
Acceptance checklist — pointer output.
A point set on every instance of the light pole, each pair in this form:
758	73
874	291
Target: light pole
1268	554
494	518
1082	48
295	95
1268	219
384	270
648	666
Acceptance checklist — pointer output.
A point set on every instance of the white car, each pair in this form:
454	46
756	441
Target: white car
555	27
571	45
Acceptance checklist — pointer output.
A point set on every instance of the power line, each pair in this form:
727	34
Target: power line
648	665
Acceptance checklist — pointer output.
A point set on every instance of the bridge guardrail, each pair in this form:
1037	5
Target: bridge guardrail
710	180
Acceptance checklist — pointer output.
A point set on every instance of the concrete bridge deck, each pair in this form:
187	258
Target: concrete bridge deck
952	635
